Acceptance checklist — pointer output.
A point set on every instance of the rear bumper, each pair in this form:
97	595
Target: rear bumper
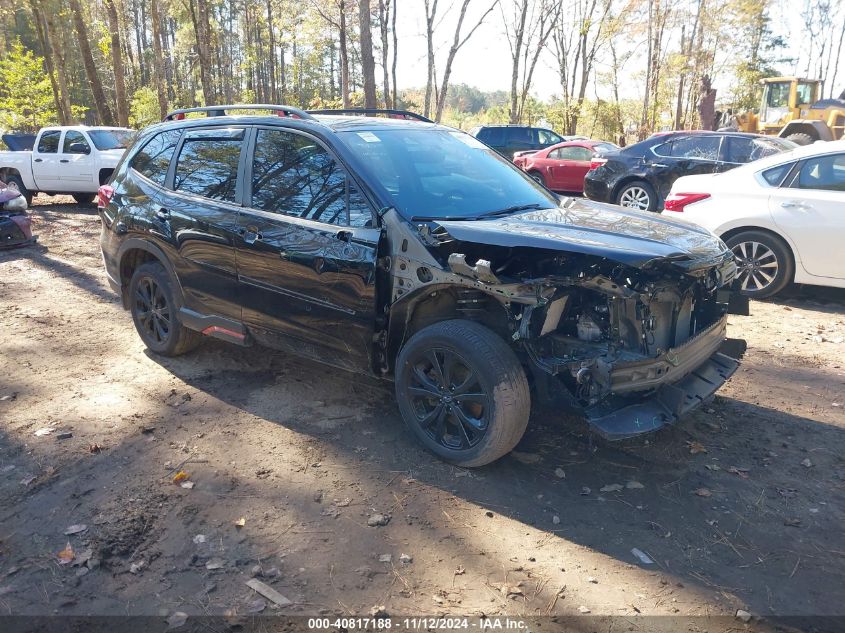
596	189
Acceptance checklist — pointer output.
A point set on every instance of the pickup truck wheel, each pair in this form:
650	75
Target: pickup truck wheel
463	392
15	182
764	263
154	312
84	198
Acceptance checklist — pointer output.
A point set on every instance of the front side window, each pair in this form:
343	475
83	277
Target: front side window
292	174
575	153
741	149
208	163
521	135
111	139
49	142
826	173
153	160
548	137
75	143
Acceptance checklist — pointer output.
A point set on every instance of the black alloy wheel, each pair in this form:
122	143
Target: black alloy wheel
448	399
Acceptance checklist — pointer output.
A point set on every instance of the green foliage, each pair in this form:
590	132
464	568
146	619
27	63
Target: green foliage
143	110
26	98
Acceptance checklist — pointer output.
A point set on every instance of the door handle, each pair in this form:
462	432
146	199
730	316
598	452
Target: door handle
250	234
163	215
792	204
64	160
37	160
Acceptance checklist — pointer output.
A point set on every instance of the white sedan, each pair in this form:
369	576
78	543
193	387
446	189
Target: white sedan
783	216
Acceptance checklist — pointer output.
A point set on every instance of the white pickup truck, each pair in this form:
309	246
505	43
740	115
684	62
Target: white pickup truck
73	160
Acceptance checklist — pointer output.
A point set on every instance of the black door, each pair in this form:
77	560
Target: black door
683	156
201	218
306	252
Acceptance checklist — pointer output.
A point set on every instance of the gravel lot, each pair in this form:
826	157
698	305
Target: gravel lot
740	507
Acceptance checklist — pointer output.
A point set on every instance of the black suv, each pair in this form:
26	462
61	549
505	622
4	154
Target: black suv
410	251
510	139
641	175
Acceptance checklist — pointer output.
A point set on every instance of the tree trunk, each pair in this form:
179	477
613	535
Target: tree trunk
202	32
707	105
430	14
43	37
161	91
384	16
368	63
516	55
344	56
271	58
117	65
395	52
104	113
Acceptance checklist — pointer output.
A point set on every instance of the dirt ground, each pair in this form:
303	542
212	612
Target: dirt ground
740	507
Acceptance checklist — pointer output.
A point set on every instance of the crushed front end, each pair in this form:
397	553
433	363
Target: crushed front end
636	349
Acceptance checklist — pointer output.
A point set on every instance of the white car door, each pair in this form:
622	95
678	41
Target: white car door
45	161
77	163
811	211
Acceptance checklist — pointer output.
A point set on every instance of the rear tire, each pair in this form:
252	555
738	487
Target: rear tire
764	263
16	183
463	392
84	198
154	312
801	138
538	177
637	195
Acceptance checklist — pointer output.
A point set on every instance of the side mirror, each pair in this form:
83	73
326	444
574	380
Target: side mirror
79	148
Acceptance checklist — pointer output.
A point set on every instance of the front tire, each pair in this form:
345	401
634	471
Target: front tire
764	263
463	392
155	314
84	198
637	195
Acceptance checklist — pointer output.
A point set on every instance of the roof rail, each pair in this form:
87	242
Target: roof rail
393	114
220	110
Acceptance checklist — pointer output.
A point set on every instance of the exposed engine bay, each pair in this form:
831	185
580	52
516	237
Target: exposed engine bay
617	341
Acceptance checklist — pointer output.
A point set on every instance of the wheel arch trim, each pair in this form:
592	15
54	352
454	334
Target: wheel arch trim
135	244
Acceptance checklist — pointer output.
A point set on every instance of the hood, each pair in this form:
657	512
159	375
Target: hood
633	238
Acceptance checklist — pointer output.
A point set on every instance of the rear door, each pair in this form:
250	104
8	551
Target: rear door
811	211
199	217
45	161
306	251
77	163
683	156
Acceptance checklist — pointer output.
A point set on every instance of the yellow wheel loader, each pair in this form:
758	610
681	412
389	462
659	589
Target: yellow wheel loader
791	109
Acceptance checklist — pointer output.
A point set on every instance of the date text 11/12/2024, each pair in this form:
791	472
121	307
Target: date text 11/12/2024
417	624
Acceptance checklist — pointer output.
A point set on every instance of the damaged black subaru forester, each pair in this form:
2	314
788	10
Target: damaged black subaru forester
410	251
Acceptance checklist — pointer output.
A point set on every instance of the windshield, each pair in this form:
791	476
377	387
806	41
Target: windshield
110	139
439	174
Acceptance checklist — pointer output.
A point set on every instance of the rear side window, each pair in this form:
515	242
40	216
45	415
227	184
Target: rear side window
49	142
492	135
695	147
574	153
292	174
208	163
775	175
153	160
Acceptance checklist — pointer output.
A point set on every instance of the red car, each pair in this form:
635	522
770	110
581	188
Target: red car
562	167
